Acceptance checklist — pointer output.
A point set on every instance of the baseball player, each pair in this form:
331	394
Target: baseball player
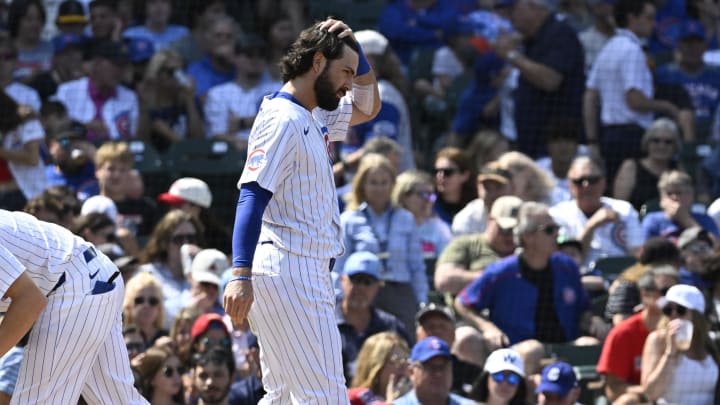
76	345
288	210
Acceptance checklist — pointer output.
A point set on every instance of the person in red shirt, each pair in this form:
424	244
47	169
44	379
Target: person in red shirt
622	351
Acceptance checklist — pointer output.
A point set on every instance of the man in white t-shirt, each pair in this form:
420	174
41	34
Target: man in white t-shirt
605	226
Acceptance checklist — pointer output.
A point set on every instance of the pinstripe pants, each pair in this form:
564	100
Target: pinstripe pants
76	346
293	316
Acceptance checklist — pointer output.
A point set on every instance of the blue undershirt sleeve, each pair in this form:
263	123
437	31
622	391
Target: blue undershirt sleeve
248	218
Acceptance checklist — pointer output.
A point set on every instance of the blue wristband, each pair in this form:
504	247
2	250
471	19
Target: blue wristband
241	278
363	65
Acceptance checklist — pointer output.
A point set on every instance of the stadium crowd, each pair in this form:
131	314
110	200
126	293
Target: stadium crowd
532	217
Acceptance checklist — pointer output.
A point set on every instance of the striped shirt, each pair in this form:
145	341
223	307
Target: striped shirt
288	155
40	248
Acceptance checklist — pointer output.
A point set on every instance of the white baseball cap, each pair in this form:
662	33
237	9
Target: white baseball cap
188	189
371	42
505	360
686	295
100	204
208	266
504	211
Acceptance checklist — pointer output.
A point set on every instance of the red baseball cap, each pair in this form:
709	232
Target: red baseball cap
202	324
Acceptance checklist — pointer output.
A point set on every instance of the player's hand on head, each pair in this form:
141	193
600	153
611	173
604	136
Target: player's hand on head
238	299
339	27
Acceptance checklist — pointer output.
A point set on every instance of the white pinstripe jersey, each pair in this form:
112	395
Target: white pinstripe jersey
288	154
39	247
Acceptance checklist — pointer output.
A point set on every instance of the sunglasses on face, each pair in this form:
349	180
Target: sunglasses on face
511	378
170	371
398	359
678	309
184	238
587	180
207	342
548	229
152	301
446	171
426	195
657	141
363	280
135	347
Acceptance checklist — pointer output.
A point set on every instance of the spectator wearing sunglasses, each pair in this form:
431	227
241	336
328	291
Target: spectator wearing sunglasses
678	376
536	294
209	331
381	373
621	355
143	306
558	385
467	256
493	182
160	374
454	182
161	256
357	318
604	225
677	195
502	381
636	181
431	375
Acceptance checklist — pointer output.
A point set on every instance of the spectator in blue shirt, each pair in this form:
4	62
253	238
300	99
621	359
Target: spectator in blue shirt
413	24
217	66
157	25
701	81
536	294
677	195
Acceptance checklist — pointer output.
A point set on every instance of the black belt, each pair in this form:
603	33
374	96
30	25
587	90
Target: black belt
88	255
330	266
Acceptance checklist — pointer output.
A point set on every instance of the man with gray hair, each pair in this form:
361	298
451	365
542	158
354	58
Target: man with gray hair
536	294
605	226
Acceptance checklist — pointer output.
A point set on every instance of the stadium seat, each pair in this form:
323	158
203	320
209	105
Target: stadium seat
217	163
610	267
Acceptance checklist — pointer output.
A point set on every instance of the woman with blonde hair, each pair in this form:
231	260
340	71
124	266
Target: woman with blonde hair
680	362
381	368
168	112
160	373
530	181
163	259
373	223
143	306
414	191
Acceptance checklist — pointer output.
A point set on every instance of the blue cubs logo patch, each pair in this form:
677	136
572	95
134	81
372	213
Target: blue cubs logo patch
256	160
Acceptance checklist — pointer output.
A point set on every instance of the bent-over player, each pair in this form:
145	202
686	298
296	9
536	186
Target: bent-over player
288	210
76	345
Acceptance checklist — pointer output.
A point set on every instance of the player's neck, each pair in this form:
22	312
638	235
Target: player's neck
303	91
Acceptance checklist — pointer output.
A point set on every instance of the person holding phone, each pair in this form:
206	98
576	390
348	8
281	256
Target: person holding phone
680	363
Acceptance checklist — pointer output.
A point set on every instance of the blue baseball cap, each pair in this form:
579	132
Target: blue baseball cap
428	348
558	378
63	41
362	263
691	29
140	49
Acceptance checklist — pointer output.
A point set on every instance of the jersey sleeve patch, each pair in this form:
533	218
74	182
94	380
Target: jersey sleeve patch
256	159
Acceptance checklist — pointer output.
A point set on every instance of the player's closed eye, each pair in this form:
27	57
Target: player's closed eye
169	371
152	301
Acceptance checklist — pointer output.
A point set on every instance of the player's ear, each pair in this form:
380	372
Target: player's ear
319	62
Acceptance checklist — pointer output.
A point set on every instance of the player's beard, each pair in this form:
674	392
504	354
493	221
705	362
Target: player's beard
325	94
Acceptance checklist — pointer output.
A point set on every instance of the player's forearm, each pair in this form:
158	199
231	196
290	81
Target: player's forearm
452	279
590	114
541	76
27	304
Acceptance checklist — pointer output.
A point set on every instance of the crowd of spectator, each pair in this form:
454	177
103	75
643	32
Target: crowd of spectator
521	147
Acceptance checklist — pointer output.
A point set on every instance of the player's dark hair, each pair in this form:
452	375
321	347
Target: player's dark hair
10	118
624	8
215	355
299	58
18	9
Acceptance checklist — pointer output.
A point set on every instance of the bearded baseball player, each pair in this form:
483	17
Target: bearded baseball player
287	226
76	345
